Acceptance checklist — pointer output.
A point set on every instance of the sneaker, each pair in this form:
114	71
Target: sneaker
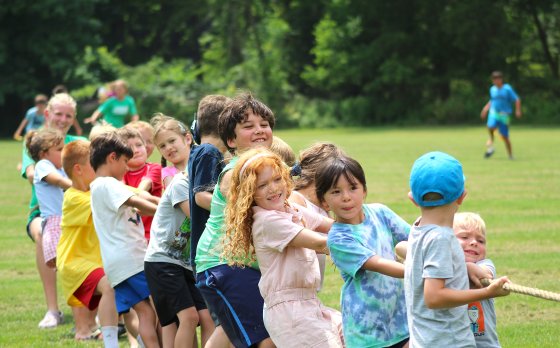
121	330
489	152
51	320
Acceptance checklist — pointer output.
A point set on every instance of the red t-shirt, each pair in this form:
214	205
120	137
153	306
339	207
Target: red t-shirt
133	178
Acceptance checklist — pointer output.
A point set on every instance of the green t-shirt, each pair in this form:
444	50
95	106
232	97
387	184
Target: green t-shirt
210	245
209	249
27	161
114	110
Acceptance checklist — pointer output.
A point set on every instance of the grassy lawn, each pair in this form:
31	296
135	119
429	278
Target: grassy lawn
519	200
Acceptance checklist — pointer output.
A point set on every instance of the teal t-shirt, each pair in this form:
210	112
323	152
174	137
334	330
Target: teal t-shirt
114	110
26	161
372	304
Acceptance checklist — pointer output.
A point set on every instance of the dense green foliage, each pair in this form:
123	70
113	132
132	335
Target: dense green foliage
316	63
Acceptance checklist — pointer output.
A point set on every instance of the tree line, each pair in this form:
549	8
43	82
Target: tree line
316	63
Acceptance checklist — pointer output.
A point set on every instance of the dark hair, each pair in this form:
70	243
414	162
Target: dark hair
105	144
329	172
497	74
209	110
236	111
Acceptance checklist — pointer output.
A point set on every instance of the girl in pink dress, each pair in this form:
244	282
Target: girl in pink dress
261	224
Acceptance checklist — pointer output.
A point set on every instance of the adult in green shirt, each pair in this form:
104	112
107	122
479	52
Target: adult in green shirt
115	109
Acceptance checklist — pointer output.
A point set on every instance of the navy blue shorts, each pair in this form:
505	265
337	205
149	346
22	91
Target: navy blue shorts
232	295
130	292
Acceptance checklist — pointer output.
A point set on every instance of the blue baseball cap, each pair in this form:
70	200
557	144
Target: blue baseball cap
436	172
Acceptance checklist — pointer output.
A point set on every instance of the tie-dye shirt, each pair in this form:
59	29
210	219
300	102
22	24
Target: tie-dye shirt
373	305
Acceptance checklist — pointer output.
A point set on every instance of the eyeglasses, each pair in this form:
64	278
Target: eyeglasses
40	102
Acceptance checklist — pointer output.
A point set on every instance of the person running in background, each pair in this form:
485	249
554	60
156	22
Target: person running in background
115	109
499	110
34	117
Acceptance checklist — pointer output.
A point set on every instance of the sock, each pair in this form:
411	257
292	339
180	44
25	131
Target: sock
110	336
140	342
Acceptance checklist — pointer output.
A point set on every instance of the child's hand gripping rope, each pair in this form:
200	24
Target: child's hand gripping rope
519	289
401	248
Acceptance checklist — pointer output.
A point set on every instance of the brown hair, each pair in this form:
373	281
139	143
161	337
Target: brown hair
311	159
209	110
236	111
41	141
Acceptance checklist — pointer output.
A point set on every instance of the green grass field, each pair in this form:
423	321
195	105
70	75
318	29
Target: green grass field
519	200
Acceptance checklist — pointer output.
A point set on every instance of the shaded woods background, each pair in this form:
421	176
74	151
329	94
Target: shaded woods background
316	63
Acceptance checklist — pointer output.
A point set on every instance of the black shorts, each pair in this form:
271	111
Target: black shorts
173	289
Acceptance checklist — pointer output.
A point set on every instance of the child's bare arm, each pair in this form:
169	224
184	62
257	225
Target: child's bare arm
58	180
437	296
145	184
311	240
225	183
203	199
186	208
384	266
477	272
484	111
325	225
145	207
149	197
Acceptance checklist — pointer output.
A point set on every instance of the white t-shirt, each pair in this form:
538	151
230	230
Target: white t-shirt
49	196
119	229
170	232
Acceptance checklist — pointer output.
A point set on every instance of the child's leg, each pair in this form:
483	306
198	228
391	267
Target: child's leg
168	333
206	326
131	323
107	308
84	319
47	274
186	332
218	339
147	323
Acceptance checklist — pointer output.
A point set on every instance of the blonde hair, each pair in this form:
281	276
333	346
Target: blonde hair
469	221
61	98
162	122
238	243
128	132
121	83
75	152
282	149
142	125
101	129
38	142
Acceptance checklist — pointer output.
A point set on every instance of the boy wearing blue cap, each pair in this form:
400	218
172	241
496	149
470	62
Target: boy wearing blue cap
436	281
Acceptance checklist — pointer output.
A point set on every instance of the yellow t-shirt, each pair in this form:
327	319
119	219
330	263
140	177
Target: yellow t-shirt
77	254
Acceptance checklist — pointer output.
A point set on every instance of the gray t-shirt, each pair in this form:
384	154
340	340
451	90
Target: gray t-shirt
170	232
482	316
434	252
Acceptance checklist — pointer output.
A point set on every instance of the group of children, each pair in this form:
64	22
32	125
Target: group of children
238	245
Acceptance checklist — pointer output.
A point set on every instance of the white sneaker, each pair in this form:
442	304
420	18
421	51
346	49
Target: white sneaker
51	320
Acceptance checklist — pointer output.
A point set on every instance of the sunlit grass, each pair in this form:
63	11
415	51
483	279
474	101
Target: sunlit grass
519	200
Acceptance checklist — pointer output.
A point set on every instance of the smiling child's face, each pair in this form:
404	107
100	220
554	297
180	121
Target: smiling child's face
473	243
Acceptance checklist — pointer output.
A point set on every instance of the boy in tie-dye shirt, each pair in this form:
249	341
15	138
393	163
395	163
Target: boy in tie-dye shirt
361	243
